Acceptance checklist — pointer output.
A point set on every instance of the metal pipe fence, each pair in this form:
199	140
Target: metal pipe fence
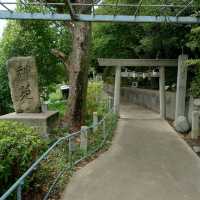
61	157
184	12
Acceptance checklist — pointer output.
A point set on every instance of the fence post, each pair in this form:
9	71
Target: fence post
83	144
95	121
44	107
109	103
70	146
104	129
19	191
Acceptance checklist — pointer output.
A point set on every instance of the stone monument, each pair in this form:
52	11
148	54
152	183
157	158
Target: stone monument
23	82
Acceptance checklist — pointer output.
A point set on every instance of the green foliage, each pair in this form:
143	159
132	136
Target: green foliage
139	40
195	89
56	101
5	99
56	95
34	38
150	40
96	139
194	44
194	41
60	106
19	147
47	172
195	85
96	100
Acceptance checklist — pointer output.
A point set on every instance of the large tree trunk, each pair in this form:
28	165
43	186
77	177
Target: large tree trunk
77	65
78	73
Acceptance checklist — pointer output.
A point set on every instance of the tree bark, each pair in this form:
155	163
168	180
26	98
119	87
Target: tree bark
77	65
78	73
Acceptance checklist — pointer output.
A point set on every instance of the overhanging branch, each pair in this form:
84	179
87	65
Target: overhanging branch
59	54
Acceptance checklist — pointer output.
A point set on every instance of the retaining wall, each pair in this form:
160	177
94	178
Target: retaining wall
151	100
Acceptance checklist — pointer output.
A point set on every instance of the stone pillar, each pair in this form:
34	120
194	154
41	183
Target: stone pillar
181	86
104	129
23	82
83	144
95	121
196	119
117	89
109	103
195	125
162	93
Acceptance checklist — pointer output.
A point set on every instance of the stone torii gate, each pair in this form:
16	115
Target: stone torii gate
161	63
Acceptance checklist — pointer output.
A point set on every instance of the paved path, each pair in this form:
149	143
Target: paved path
147	161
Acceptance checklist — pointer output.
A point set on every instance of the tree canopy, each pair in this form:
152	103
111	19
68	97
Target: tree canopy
33	38
147	40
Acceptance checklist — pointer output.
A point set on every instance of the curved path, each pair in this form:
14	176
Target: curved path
147	161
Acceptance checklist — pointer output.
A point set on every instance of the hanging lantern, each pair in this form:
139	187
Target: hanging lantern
134	74
156	73
144	75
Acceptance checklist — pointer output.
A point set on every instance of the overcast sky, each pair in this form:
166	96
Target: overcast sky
3	22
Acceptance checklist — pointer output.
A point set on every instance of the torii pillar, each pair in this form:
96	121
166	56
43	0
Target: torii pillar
181	86
117	89
162	93
118	63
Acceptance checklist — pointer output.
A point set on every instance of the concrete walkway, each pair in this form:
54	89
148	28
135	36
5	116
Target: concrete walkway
147	161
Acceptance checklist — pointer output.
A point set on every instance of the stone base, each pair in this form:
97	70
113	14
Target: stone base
42	122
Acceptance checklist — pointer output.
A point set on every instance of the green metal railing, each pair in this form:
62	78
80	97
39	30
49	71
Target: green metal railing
75	148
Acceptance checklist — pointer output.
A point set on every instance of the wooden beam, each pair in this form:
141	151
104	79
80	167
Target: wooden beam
138	62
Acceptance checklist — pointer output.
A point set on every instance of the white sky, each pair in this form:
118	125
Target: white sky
3	22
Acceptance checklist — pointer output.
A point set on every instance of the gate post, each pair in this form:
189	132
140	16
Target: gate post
162	93
117	89
181	86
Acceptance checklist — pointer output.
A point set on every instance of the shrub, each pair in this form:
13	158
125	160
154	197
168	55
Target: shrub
60	106
195	89
56	95
96	100
19	147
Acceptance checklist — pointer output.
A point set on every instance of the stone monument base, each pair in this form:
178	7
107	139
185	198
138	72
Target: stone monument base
42	122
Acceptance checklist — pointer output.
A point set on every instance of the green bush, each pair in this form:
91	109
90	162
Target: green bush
19	147
60	106
96	100
56	95
195	85
56	102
